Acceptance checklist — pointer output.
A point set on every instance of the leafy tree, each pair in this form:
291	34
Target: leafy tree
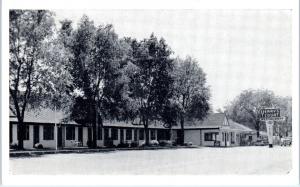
190	92
245	107
285	105
29	30
169	115
149	79
98	83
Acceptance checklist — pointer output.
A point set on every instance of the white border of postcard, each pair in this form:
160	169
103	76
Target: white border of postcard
290	179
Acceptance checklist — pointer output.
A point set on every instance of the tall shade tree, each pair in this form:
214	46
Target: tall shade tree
245	107
29	30
190	92
98	81
285	105
149	79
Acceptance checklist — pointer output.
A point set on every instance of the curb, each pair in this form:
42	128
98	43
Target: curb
67	151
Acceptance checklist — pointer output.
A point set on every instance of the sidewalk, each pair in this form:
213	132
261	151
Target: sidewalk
35	152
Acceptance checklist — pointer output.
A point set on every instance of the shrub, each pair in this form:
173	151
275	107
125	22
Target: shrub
165	143
154	143
13	146
89	143
123	145
109	143
188	144
174	143
38	146
134	144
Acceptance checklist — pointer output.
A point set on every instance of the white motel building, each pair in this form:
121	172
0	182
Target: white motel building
49	128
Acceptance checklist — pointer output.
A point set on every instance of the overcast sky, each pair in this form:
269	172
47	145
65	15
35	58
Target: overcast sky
238	49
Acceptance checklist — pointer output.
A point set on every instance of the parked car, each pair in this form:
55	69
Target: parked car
260	142
286	141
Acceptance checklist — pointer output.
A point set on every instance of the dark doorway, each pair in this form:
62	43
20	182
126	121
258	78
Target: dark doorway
80	134
135	135
163	134
89	134
10	133
59	137
225	139
36	134
121	135
179	137
106	135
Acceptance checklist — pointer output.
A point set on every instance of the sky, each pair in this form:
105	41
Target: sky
237	49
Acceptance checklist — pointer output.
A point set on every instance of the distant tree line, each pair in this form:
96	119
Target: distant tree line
95	75
245	108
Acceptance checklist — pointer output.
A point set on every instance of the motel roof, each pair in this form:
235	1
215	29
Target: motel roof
45	115
213	120
239	127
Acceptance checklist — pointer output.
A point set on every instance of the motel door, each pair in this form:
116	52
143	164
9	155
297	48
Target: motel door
80	134
59	137
90	134
36	134
121	135
225	139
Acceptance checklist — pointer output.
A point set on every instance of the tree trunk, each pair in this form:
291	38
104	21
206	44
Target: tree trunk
94	140
21	132
257	127
170	133
181	138
146	125
95	129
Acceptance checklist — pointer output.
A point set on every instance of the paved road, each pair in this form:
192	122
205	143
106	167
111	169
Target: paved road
237	160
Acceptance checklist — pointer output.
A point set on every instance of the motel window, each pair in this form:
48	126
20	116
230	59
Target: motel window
208	137
48	133
114	134
141	134
99	135
128	134
27	133
152	134
250	138
70	133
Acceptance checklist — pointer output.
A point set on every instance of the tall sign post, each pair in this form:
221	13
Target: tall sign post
269	115
270	126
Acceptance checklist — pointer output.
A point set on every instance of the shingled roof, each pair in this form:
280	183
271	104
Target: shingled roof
213	120
239	127
43	116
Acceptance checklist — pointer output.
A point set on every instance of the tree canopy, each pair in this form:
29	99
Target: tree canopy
245	107
30	34
190	92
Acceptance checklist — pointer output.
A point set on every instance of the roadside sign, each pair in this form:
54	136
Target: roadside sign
269	112
269	115
273	118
